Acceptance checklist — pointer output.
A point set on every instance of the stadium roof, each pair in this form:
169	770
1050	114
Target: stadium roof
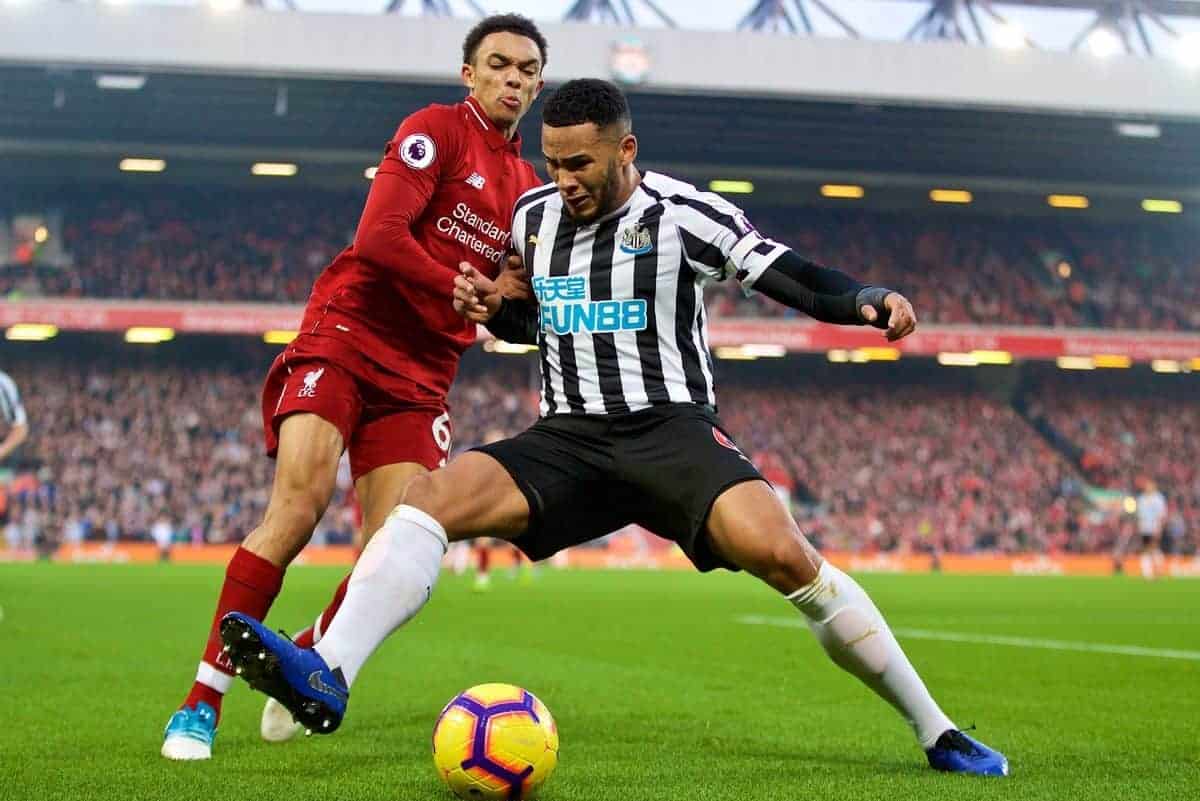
210	103
216	125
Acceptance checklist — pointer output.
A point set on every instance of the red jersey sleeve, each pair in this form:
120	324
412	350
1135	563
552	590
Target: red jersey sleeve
426	147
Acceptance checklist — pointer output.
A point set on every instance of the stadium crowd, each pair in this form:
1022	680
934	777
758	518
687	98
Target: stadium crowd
199	246
1122	442
959	269
915	468
1029	273
919	468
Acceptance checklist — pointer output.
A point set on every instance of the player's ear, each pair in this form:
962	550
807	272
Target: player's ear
627	149
537	90
468	76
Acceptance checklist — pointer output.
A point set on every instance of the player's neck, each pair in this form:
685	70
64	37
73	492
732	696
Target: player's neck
631	179
509	131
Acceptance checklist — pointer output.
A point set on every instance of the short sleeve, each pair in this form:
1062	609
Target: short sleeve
719	242
517	241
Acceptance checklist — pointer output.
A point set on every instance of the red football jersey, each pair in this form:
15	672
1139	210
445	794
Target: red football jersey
444	193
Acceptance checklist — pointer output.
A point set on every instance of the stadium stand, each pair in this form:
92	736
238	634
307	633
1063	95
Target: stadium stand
911	459
970	270
1121	434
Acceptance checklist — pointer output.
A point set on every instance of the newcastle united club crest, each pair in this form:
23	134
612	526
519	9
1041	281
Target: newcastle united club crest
636	240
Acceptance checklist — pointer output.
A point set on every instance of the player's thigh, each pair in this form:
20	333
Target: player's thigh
563	468
305	387
681	461
381	490
306	464
393	442
307	459
393	432
748	526
473	496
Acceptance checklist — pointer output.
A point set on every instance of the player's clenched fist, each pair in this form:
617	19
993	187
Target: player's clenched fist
901	321
476	297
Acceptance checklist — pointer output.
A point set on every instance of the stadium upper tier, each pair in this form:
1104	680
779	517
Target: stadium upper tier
396	47
873	458
90	84
957	270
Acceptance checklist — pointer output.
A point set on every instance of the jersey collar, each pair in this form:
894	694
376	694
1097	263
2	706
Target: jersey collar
491	134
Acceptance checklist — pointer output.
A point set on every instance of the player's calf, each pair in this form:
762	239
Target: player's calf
749	527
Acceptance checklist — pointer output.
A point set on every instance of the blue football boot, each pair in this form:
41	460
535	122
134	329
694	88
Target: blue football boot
296	677
955	752
190	733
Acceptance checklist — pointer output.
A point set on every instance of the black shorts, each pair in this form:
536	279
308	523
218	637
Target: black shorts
587	476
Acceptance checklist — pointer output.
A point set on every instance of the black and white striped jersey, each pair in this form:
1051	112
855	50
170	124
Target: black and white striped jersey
621	314
11	410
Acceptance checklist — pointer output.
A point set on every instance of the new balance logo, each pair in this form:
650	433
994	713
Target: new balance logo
309	390
314	681
476	180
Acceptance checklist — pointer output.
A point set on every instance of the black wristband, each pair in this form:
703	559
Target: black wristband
515	321
874	296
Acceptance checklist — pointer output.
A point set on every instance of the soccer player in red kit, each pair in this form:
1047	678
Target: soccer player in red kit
380	342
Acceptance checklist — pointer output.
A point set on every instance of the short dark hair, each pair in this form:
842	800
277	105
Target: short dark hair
587	100
502	23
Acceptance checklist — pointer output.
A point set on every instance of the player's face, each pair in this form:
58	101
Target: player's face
505	77
588	165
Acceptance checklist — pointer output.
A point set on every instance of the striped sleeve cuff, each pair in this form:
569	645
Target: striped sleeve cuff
751	256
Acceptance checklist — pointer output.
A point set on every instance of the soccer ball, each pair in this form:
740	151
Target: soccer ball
495	741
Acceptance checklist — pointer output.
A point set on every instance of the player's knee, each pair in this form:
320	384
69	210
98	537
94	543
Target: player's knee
786	564
294	513
296	505
427	493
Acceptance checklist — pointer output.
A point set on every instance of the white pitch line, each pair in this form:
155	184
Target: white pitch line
995	639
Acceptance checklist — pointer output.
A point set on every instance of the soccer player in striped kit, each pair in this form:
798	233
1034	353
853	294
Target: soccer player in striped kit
13	413
628	431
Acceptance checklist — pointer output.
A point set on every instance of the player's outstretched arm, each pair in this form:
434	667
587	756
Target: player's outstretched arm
720	243
832	296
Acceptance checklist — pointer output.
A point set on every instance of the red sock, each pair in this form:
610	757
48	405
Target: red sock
251	584
308	638
485	556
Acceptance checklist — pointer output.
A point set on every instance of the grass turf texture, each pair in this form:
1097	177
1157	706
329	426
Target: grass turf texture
658	690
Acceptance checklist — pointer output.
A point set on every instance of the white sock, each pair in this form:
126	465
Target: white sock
856	637
209	676
391	581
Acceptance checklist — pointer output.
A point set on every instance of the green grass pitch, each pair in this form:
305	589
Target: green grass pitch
660	688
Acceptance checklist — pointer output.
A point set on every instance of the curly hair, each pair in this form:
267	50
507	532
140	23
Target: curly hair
587	100
503	23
